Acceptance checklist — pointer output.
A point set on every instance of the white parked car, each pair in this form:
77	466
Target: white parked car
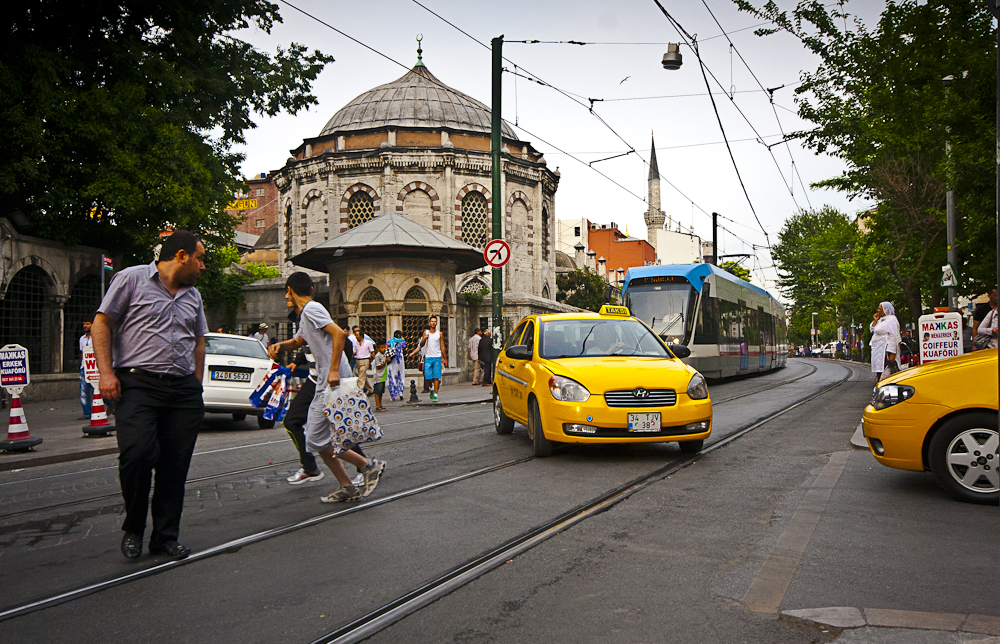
234	367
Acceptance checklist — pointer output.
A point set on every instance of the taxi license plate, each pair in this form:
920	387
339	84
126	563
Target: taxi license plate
644	422
231	376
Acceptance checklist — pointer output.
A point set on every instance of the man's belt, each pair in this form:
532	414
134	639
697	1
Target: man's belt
150	374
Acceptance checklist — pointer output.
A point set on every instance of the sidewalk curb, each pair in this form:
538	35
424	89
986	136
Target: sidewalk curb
6	466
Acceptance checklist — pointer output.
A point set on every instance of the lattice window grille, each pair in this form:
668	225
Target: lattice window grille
413	330
375	327
26	318
474	286
545	235
372	301
360	209
475	220
415	300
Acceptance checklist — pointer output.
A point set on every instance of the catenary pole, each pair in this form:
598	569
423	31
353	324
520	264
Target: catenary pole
497	197
715	238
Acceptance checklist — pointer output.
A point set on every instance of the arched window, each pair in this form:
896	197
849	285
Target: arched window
475	220
359	209
545	291
26	319
474	286
418	208
371	316
545	235
81	307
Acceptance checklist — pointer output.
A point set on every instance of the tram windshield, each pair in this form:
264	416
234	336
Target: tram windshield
664	307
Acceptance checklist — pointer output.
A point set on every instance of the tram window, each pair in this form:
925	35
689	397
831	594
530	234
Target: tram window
707	331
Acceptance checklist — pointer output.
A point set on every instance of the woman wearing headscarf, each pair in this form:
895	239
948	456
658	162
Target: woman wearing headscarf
885	340
394	381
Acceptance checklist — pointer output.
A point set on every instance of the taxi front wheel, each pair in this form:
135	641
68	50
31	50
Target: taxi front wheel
501	422
543	446
964	454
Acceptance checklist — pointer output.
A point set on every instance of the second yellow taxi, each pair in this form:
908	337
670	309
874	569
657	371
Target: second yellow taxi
598	378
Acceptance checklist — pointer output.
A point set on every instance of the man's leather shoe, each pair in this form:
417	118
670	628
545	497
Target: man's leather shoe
132	545
172	549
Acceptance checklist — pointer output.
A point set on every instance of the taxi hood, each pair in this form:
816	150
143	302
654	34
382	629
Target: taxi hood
607	373
959	362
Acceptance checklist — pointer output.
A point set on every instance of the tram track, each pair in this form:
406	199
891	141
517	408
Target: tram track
271	465
427	593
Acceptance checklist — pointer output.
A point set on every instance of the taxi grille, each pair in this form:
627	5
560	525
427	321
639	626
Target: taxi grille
656	398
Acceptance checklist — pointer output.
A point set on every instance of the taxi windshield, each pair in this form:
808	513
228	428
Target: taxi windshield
595	338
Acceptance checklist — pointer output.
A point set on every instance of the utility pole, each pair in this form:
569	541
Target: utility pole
495	146
715	238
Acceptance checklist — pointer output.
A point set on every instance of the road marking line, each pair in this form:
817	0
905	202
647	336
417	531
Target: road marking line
772	580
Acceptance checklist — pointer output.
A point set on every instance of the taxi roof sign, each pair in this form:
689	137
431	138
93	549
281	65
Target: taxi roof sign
617	311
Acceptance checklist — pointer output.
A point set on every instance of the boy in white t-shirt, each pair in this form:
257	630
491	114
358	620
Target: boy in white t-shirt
326	340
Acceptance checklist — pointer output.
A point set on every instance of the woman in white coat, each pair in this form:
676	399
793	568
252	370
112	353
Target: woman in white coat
885	340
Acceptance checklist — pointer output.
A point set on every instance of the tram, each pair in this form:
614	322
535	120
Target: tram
732	327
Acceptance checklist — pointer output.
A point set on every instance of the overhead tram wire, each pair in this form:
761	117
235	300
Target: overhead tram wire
689	40
404	66
578	42
590	108
396	62
770	93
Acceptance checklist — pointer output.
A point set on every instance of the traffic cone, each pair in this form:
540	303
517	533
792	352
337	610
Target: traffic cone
98	417
19	439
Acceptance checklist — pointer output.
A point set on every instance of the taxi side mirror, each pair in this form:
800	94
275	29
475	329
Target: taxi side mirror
680	350
519	352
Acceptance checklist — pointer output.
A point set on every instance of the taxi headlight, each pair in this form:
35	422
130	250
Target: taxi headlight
567	390
889	395
697	388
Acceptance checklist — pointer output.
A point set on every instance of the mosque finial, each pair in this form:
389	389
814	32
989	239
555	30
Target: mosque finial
420	59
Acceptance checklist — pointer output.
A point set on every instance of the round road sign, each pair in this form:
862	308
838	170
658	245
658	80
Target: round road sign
496	253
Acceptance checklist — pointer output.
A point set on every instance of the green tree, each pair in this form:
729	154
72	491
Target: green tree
261	271
582	288
119	118
734	268
879	104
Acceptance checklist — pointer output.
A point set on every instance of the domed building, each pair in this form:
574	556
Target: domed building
419	149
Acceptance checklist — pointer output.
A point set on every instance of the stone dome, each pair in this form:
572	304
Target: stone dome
416	99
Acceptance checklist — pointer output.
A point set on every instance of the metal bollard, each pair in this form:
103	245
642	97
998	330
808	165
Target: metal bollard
413	392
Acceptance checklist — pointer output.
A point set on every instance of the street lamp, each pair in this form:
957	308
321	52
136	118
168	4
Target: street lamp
812	339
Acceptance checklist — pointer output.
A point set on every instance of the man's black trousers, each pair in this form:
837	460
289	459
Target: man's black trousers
157	423
295	425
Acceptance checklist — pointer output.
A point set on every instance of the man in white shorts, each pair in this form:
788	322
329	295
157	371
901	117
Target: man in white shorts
326	340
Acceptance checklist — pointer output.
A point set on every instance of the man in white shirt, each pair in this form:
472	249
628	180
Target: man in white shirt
364	348
477	367
86	389
262	335
435	356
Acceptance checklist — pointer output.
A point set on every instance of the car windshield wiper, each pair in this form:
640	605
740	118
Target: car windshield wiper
584	347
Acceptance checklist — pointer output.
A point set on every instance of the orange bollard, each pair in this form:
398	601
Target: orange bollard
19	439
98	417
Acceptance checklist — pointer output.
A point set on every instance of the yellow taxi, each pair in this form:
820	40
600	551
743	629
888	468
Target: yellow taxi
941	417
598	378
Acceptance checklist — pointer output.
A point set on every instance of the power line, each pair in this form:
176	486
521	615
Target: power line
770	93
689	40
578	42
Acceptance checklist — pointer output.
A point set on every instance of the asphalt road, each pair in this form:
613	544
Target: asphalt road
786	517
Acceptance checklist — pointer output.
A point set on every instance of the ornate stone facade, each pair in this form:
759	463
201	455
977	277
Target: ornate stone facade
419	148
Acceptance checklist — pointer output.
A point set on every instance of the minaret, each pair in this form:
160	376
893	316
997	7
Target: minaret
654	216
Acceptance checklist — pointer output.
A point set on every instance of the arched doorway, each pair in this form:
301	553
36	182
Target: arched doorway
26	317
81	307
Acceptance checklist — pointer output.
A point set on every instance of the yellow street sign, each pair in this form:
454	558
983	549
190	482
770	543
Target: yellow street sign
242	204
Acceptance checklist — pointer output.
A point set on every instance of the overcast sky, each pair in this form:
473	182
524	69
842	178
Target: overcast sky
689	143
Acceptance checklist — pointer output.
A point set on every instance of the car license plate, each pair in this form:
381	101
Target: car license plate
644	422
231	376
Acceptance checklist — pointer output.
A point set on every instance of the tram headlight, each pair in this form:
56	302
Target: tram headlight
697	388
567	390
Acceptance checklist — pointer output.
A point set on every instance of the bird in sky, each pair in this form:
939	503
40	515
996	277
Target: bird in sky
624	79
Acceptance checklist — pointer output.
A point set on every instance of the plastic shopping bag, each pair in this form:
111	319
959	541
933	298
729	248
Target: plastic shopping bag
350	414
278	403
259	395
